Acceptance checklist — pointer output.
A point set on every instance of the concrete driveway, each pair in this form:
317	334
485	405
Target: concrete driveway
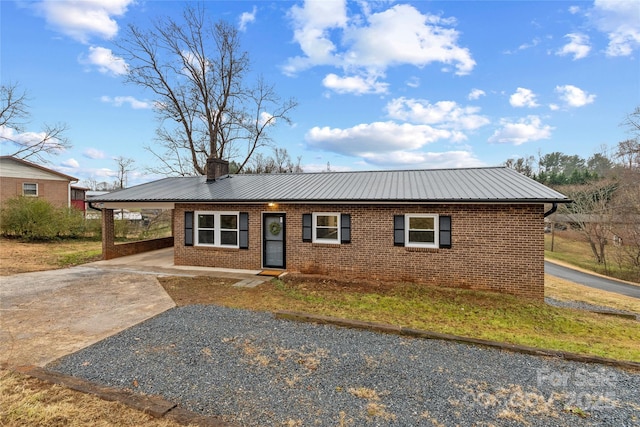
46	315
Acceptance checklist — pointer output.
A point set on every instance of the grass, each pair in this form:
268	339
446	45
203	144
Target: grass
28	401
564	290
570	247
476	314
21	257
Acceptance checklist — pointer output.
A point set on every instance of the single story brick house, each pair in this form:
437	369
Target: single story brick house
480	228
19	177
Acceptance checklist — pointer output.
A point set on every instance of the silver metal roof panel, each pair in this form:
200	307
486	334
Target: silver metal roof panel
498	184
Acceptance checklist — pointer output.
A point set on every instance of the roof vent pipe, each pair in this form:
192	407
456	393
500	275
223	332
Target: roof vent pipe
216	168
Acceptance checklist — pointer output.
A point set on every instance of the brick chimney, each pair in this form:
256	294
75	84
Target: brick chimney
216	168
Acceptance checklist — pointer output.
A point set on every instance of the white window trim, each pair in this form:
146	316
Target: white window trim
436	231
216	229
314	228
30	195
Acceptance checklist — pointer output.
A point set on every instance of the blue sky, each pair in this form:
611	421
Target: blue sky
380	84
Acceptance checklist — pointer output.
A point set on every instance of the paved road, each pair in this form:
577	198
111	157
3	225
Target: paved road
591	280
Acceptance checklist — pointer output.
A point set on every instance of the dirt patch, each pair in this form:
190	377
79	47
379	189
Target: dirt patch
25	257
197	290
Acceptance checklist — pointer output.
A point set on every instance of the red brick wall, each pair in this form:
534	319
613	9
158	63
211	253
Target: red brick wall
494	247
56	192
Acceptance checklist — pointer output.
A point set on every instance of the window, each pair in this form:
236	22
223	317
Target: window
218	229
326	228
421	230
29	189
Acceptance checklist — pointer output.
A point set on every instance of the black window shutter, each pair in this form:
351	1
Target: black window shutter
243	229
306	227
445	232
345	228
398	230
188	228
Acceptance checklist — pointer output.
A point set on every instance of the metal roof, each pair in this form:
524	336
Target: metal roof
496	184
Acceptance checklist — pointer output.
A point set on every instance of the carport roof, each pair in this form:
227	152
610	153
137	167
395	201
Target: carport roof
495	184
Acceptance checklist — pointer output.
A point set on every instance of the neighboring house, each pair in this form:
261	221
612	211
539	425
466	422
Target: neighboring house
78	196
22	178
478	228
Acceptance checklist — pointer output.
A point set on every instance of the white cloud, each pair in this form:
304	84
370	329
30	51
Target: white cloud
369	43
247	18
265	117
357	85
28	139
70	163
524	46
104	172
578	46
105	60
524	130
81	20
424	160
574	96
445	114
119	101
413	82
574	9
619	20
476	94
378	137
402	35
523	98
94	153
389	144
312	23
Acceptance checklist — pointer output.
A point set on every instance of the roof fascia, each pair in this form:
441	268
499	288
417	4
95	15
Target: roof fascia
375	202
132	205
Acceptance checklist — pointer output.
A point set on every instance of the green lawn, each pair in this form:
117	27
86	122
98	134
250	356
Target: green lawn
484	315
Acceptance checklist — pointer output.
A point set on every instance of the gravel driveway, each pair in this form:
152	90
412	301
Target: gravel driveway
254	370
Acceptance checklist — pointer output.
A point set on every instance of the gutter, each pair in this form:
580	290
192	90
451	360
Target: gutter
554	208
90	204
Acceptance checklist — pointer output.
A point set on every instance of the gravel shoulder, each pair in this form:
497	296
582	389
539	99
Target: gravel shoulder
253	370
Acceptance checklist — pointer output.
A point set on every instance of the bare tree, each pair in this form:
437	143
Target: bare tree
592	212
198	71
280	162
524	165
625	224
124	167
14	120
628	151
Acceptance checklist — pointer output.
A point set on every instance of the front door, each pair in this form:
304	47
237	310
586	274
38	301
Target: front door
273	240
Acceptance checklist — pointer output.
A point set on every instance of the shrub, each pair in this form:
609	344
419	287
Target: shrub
37	219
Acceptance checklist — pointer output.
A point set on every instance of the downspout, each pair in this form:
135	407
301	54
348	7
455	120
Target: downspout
554	208
90	204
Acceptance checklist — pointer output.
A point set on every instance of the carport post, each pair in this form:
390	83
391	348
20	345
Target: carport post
108	234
